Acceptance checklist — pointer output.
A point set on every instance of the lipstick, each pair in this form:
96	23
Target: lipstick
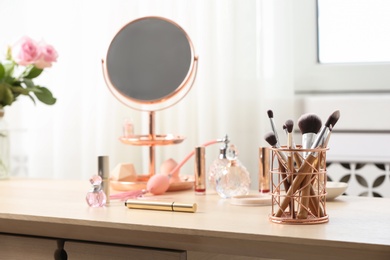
104	173
161	205
264	161
200	171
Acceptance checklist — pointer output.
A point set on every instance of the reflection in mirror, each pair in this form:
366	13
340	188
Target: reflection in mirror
150	61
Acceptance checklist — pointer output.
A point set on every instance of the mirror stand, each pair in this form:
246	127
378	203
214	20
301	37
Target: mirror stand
151	139
150	66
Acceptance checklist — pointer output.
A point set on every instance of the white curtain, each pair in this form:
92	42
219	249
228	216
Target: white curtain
245	58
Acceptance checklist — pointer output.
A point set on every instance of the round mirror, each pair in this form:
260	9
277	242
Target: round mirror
150	64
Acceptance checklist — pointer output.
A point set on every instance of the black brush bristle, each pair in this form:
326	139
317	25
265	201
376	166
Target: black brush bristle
270	113
289	125
309	123
333	118
271	138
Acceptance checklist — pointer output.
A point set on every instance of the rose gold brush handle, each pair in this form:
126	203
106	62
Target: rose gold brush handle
306	167
308	196
286	184
303	207
315	206
312	201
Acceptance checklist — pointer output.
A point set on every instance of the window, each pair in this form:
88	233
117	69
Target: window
338	73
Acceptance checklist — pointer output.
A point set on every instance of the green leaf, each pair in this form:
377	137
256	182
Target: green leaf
2	71
29	83
20	90
44	95
9	69
6	95
32	72
32	98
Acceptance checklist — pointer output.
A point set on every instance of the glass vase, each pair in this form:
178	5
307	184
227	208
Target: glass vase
4	148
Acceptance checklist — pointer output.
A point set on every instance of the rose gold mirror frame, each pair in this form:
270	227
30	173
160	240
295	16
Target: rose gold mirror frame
152	139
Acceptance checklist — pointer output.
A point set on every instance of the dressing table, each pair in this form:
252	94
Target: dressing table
39	217
50	219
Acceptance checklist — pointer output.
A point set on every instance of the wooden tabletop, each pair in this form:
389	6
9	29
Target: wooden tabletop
57	208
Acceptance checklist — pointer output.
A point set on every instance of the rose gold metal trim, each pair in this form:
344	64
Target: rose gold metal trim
158	104
312	203
152	139
200	170
264	178
142	140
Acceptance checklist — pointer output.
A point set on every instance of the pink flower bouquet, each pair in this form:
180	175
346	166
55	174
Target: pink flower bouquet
25	61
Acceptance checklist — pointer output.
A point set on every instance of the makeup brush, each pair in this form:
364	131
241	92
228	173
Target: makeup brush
310	159
296	156
271	139
332	120
289	127
270	114
309	124
327	137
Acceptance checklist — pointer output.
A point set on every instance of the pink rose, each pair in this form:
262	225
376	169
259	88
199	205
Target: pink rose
26	51
47	56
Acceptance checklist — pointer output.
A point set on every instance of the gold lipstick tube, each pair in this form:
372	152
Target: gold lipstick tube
161	205
200	171
264	162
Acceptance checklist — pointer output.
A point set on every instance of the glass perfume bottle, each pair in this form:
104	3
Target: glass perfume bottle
217	166
234	179
96	196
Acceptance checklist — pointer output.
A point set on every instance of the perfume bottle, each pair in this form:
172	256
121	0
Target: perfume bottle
233	179
96	196
218	165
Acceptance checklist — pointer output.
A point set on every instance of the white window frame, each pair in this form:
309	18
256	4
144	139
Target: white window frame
311	77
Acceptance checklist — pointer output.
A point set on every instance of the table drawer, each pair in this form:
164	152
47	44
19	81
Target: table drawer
97	251
23	247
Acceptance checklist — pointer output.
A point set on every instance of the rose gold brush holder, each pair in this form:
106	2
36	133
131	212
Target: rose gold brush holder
298	185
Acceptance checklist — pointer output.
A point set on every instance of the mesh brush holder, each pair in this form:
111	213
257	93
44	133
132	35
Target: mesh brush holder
298	185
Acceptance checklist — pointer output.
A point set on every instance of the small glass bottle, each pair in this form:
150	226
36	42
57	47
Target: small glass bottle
217	165
234	179
4	148
96	196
